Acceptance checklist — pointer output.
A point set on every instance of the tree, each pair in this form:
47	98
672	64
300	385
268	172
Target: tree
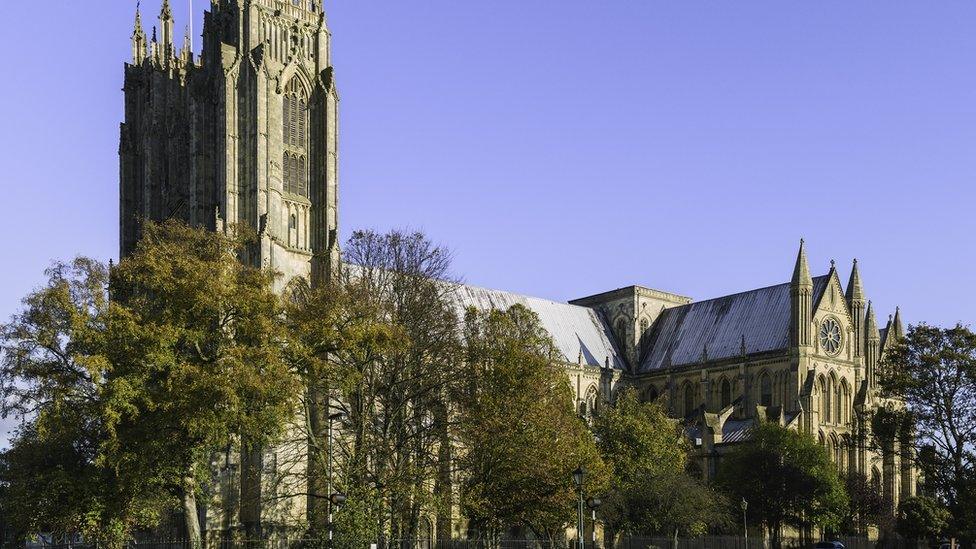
922	518
194	344
650	490
382	343
934	370
124	401
866	502
53	378
519	436
787	478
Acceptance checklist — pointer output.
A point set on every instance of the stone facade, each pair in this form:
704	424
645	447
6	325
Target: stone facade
247	135
244	135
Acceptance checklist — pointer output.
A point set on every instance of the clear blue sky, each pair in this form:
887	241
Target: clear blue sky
566	148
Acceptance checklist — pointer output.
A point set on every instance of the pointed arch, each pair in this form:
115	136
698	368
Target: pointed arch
765	389
295	136
689	398
650	394
725	393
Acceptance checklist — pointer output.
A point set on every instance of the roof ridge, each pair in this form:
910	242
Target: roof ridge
741	293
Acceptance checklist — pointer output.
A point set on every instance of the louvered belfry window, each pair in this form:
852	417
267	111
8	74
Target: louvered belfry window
295	128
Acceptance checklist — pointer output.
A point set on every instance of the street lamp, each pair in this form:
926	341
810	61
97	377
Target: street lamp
335	499
745	525
579	475
593	503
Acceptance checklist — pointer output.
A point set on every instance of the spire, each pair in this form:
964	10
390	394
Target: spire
855	291
801	273
897	325
871	324
186	54
801	301
166	29
138	39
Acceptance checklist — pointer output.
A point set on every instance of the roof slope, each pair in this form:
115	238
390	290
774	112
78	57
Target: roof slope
575	330
718	326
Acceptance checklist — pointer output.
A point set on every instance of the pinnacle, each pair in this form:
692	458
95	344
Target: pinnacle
855	290
801	272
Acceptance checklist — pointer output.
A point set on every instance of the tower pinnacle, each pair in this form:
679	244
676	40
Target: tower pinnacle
855	290
801	272
138	39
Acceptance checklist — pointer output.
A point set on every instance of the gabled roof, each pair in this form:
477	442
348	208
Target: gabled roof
717	327
575	330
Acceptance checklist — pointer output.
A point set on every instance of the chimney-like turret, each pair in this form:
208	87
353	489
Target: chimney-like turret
138	40
872	345
801	301
855	303
166	24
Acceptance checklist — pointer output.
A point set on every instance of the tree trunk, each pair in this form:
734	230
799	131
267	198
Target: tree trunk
190	516
674	544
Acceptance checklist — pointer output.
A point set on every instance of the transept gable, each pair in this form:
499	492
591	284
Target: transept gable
832	299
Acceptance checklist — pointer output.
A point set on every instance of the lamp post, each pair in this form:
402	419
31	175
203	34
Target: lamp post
579	475
335	499
745	525
593	503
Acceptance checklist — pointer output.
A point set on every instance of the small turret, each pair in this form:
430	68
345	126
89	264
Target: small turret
801	301
855	303
872	345
166	24
897	327
138	40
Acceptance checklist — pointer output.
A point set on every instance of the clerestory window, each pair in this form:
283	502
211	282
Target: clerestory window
295	138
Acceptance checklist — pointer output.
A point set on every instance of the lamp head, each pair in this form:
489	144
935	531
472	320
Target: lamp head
579	475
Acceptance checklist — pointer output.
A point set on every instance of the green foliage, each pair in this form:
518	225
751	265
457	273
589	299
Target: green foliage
125	400
650	492
922	517
866	502
934	370
520	435
787	480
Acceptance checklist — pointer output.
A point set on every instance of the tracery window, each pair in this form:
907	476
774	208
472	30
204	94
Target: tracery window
295	139
689	398
726	393
765	390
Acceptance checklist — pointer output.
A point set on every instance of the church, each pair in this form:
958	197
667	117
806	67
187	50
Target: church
247	133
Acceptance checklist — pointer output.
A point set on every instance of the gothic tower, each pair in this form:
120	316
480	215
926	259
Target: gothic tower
246	135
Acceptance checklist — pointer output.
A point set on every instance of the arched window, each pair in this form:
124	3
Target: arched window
828	401
689	398
294	119
838	404
650	394
765	390
292	222
726	393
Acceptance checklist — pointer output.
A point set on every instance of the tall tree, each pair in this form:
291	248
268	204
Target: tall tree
382	344
53	378
196	361
787	480
125	400
934	370
650	489
520	435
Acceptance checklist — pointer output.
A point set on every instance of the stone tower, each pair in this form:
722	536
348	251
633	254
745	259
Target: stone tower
246	134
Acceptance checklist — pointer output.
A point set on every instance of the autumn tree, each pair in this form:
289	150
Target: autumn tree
53	379
934	370
650	489
125	400
519	436
787	480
